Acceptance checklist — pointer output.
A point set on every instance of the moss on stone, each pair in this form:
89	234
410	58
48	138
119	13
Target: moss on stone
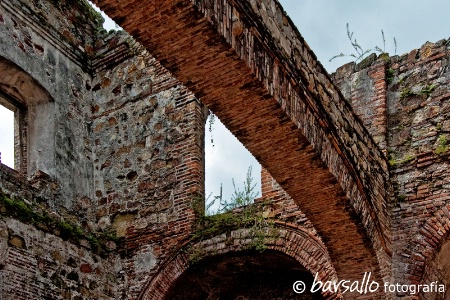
442	145
427	90
406	92
84	7
42	220
393	162
250	217
390	73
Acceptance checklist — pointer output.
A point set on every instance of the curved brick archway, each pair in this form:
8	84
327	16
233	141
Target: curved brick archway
297	243
421	261
257	74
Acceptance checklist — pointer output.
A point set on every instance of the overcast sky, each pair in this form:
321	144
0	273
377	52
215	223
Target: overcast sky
323	25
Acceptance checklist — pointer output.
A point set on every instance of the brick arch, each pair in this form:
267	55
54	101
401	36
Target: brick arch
427	245
295	242
249	64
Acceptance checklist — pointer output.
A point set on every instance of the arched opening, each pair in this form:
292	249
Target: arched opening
288	250
430	262
243	275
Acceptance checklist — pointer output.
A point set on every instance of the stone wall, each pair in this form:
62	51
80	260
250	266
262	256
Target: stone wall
415	112
46	254
36	41
38	265
148	136
122	157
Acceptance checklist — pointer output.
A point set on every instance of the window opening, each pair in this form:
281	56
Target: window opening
232	174
7	134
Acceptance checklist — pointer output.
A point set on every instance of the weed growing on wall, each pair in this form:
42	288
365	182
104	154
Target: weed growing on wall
238	198
237	213
360	53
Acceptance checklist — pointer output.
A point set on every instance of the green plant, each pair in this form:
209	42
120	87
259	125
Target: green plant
427	90
211	121
238	198
406	92
401	198
39	217
406	159
383	51
210	203
196	254
242	197
251	217
95	243
389	75
442	145
237	213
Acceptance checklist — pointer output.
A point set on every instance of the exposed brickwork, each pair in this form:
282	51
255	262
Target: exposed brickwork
148	139
282	207
34	265
37	261
295	242
301	110
132	132
367	92
417	101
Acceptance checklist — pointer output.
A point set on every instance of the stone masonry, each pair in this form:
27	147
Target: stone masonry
105	199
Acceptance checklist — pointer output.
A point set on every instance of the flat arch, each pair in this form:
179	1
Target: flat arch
296	243
20	86
34	118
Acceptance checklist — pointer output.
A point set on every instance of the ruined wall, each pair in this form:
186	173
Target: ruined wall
415	113
366	92
46	254
124	158
48	43
38	265
271	225
250	58
148	136
105	207
419	102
